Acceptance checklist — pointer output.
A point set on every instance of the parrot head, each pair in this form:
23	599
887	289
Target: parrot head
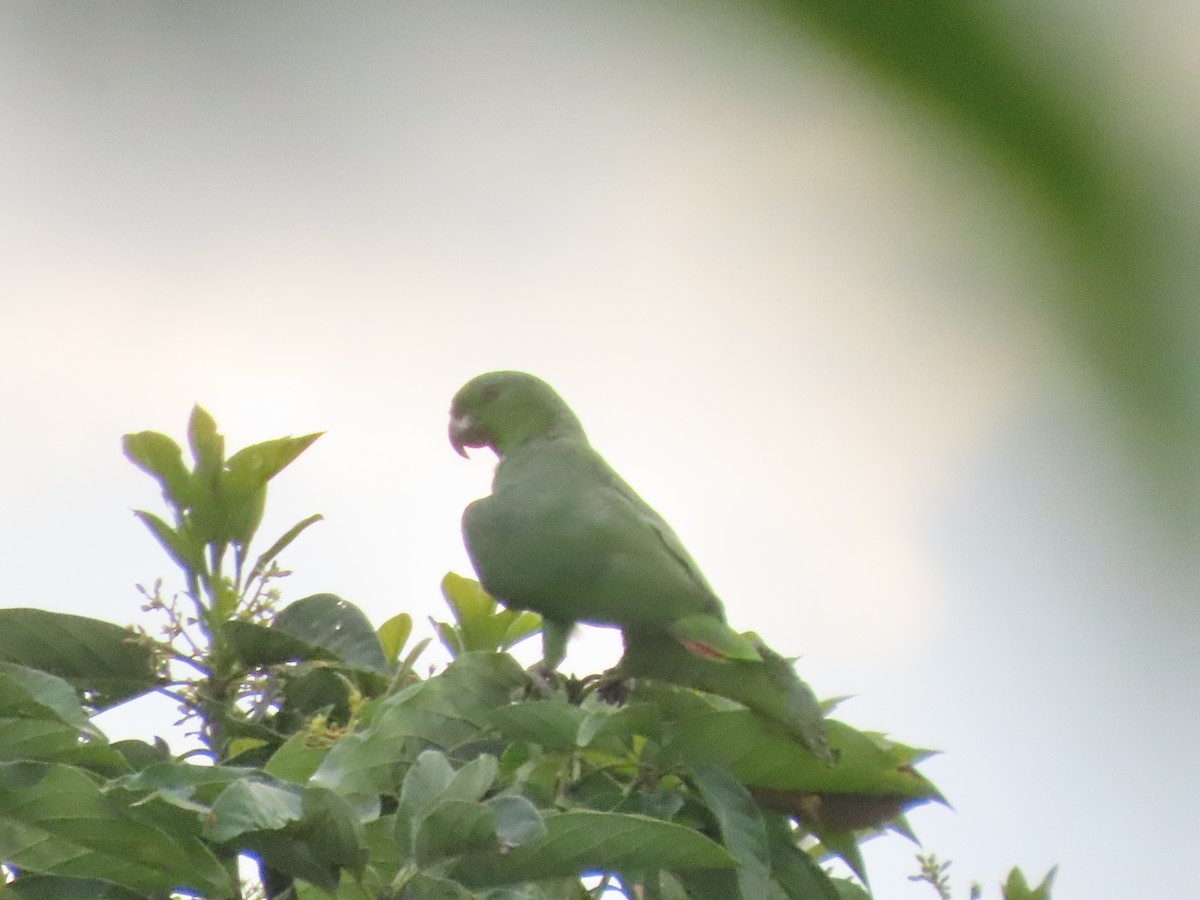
505	410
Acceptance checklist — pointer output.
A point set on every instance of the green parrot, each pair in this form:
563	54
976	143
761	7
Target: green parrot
563	535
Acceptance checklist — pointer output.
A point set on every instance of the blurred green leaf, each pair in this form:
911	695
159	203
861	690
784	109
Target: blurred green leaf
1055	143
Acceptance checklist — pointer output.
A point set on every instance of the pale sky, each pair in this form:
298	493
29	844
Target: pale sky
790	310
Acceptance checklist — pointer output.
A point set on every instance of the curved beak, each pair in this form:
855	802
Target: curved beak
465	432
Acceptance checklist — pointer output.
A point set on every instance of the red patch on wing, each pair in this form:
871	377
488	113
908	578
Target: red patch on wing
699	648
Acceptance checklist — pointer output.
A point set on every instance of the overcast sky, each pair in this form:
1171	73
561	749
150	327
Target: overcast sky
794	314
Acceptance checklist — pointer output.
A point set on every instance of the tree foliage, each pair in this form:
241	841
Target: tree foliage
326	759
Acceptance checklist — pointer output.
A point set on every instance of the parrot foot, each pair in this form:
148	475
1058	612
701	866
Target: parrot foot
612	688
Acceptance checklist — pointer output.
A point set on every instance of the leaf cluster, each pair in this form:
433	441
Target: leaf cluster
343	773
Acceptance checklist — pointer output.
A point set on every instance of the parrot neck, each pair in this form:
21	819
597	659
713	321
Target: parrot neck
560	427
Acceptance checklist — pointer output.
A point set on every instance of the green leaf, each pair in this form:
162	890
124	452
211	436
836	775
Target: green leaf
312	689
433	789
263	645
424	886
102	660
620	725
521	624
184	550
55	821
185	786
325	620
849	890
243	483
844	845
251	805
472	781
241	513
426	779
580	841
55	887
33	694
794	870
741	825
444	711
1017	888
314	839
516	820
318	846
36	738
551	723
261	564
393	634
208	447
466	598
158	455
451	828
296	759
450	638
140	754
252	467
208	450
